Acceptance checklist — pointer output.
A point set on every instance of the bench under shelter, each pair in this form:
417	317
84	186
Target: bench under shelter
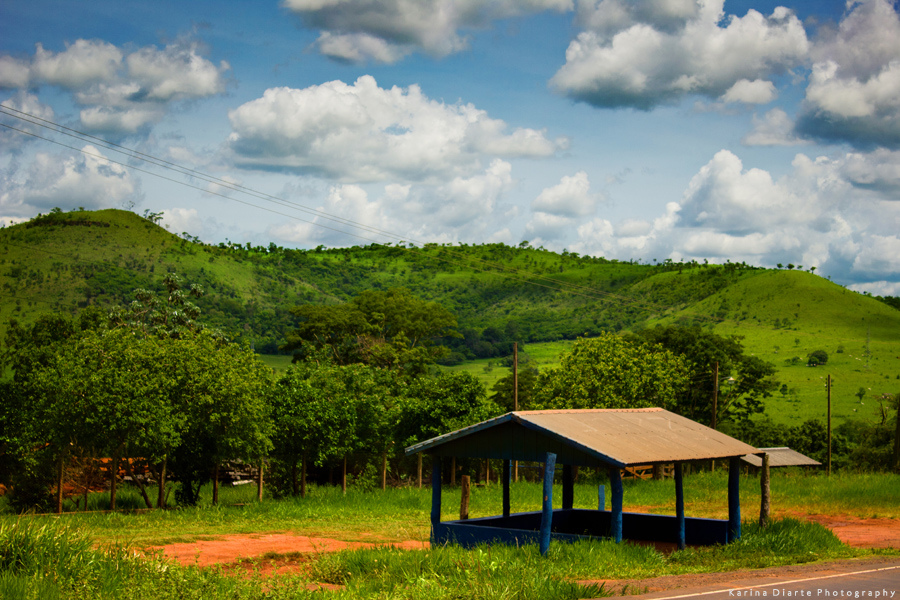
610	439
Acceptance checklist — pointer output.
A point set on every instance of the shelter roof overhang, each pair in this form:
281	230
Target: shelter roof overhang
781	457
591	437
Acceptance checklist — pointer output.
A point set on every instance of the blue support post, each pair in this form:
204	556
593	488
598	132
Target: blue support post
435	494
679	505
547	508
615	488
734	499
568	499
601	497
507	476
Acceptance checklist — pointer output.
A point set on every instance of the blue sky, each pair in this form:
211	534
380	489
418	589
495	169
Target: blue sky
708	130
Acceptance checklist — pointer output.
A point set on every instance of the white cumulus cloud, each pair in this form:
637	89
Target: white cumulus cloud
86	179
29	104
854	89
641	56
119	92
751	92
571	197
387	30
362	132
775	128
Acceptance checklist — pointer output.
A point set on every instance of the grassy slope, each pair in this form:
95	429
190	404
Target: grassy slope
812	314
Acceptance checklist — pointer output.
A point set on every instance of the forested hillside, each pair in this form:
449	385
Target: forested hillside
62	262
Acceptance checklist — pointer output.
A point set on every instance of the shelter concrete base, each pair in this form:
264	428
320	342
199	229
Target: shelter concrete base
578	524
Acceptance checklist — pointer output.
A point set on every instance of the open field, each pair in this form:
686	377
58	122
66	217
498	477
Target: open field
48	556
401	514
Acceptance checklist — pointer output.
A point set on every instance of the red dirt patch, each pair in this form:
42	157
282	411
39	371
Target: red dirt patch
284	552
861	533
231	548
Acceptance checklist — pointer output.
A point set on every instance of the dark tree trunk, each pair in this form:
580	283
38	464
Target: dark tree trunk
161	494
130	471
303	478
114	476
60	475
215	498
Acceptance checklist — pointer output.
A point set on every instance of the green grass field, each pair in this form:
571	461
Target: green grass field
98	555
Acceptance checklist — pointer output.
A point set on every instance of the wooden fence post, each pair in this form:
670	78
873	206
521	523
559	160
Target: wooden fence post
259	481
547	507
464	499
679	505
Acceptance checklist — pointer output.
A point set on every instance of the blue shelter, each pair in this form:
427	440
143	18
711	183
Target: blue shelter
610	439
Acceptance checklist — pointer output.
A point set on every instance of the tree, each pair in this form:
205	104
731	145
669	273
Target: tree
503	390
175	316
389	329
433	406
33	440
110	392
612	372
743	381
222	392
324	412
816	358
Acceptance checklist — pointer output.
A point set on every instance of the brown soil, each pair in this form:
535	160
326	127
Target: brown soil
284	552
266	553
861	533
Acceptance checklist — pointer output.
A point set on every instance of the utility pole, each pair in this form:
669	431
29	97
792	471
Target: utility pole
715	395
516	398
515	375
897	438
828	385
715	410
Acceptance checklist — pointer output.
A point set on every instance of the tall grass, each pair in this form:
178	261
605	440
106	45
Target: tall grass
510	572
55	561
49	561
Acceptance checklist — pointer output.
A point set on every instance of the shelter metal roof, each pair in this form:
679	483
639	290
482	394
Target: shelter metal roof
782	457
593	437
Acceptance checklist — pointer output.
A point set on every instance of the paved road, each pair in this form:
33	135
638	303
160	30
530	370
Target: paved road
877	579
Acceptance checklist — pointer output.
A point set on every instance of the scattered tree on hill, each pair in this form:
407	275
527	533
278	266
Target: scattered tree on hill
392	330
816	358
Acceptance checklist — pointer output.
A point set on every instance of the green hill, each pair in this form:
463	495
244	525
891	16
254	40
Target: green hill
66	261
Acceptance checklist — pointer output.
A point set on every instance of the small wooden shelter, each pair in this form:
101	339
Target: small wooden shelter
610	439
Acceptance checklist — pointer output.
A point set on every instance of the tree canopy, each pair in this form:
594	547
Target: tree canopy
390	329
612	372
744	381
